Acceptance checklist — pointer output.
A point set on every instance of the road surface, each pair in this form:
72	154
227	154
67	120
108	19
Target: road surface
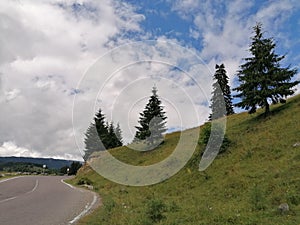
42	200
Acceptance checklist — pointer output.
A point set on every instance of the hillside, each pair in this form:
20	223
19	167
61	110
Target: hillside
21	167
49	162
243	186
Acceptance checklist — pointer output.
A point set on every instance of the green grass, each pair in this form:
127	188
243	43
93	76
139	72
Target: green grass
243	186
5	175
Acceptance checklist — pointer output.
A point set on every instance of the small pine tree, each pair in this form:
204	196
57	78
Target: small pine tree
223	81
112	136
92	142
261	77
101	135
102	128
221	95
118	133
152	121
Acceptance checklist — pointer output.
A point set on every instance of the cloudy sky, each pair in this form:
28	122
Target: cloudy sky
62	60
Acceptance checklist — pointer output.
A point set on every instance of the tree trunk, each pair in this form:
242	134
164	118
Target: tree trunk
267	111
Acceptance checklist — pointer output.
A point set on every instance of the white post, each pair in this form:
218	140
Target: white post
44	167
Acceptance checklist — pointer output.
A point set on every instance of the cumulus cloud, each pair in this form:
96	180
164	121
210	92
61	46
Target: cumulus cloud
45	47
10	148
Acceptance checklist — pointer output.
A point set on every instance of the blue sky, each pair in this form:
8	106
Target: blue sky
168	18
52	50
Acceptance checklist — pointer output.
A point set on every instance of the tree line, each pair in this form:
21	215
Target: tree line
101	135
261	78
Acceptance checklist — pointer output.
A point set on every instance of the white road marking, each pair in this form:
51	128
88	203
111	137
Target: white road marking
35	187
1	181
12	198
8	199
87	207
62	180
85	211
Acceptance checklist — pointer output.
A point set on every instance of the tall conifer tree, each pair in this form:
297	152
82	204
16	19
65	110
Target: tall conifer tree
261	78
152	121
221	95
102	128
101	135
92	141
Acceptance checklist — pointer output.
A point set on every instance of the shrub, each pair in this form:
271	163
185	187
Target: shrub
294	198
205	135
84	180
155	209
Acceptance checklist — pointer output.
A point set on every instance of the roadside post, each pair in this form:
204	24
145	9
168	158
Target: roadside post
44	167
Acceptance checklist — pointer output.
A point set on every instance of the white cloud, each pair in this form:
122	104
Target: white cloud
10	149
45	47
11	95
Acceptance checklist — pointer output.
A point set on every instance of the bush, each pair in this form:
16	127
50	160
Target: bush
294	198
205	135
84	180
155	210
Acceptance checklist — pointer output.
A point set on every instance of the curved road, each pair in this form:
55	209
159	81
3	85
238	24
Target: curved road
42	200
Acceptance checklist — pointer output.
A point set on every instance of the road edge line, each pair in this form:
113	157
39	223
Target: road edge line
8	179
69	185
85	211
87	208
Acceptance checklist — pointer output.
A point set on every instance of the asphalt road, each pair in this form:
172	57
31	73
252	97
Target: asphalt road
42	200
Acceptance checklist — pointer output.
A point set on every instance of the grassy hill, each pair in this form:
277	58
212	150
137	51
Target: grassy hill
244	186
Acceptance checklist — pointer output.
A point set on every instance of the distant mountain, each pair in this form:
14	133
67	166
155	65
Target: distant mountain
49	162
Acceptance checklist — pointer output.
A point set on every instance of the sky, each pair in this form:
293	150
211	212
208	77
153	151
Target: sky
60	61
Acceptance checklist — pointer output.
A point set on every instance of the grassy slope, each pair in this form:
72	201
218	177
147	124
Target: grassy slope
243	186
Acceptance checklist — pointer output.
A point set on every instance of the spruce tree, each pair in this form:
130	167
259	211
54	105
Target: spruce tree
92	141
262	79
101	135
221	95
152	121
95	136
112	136
102	128
118	133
